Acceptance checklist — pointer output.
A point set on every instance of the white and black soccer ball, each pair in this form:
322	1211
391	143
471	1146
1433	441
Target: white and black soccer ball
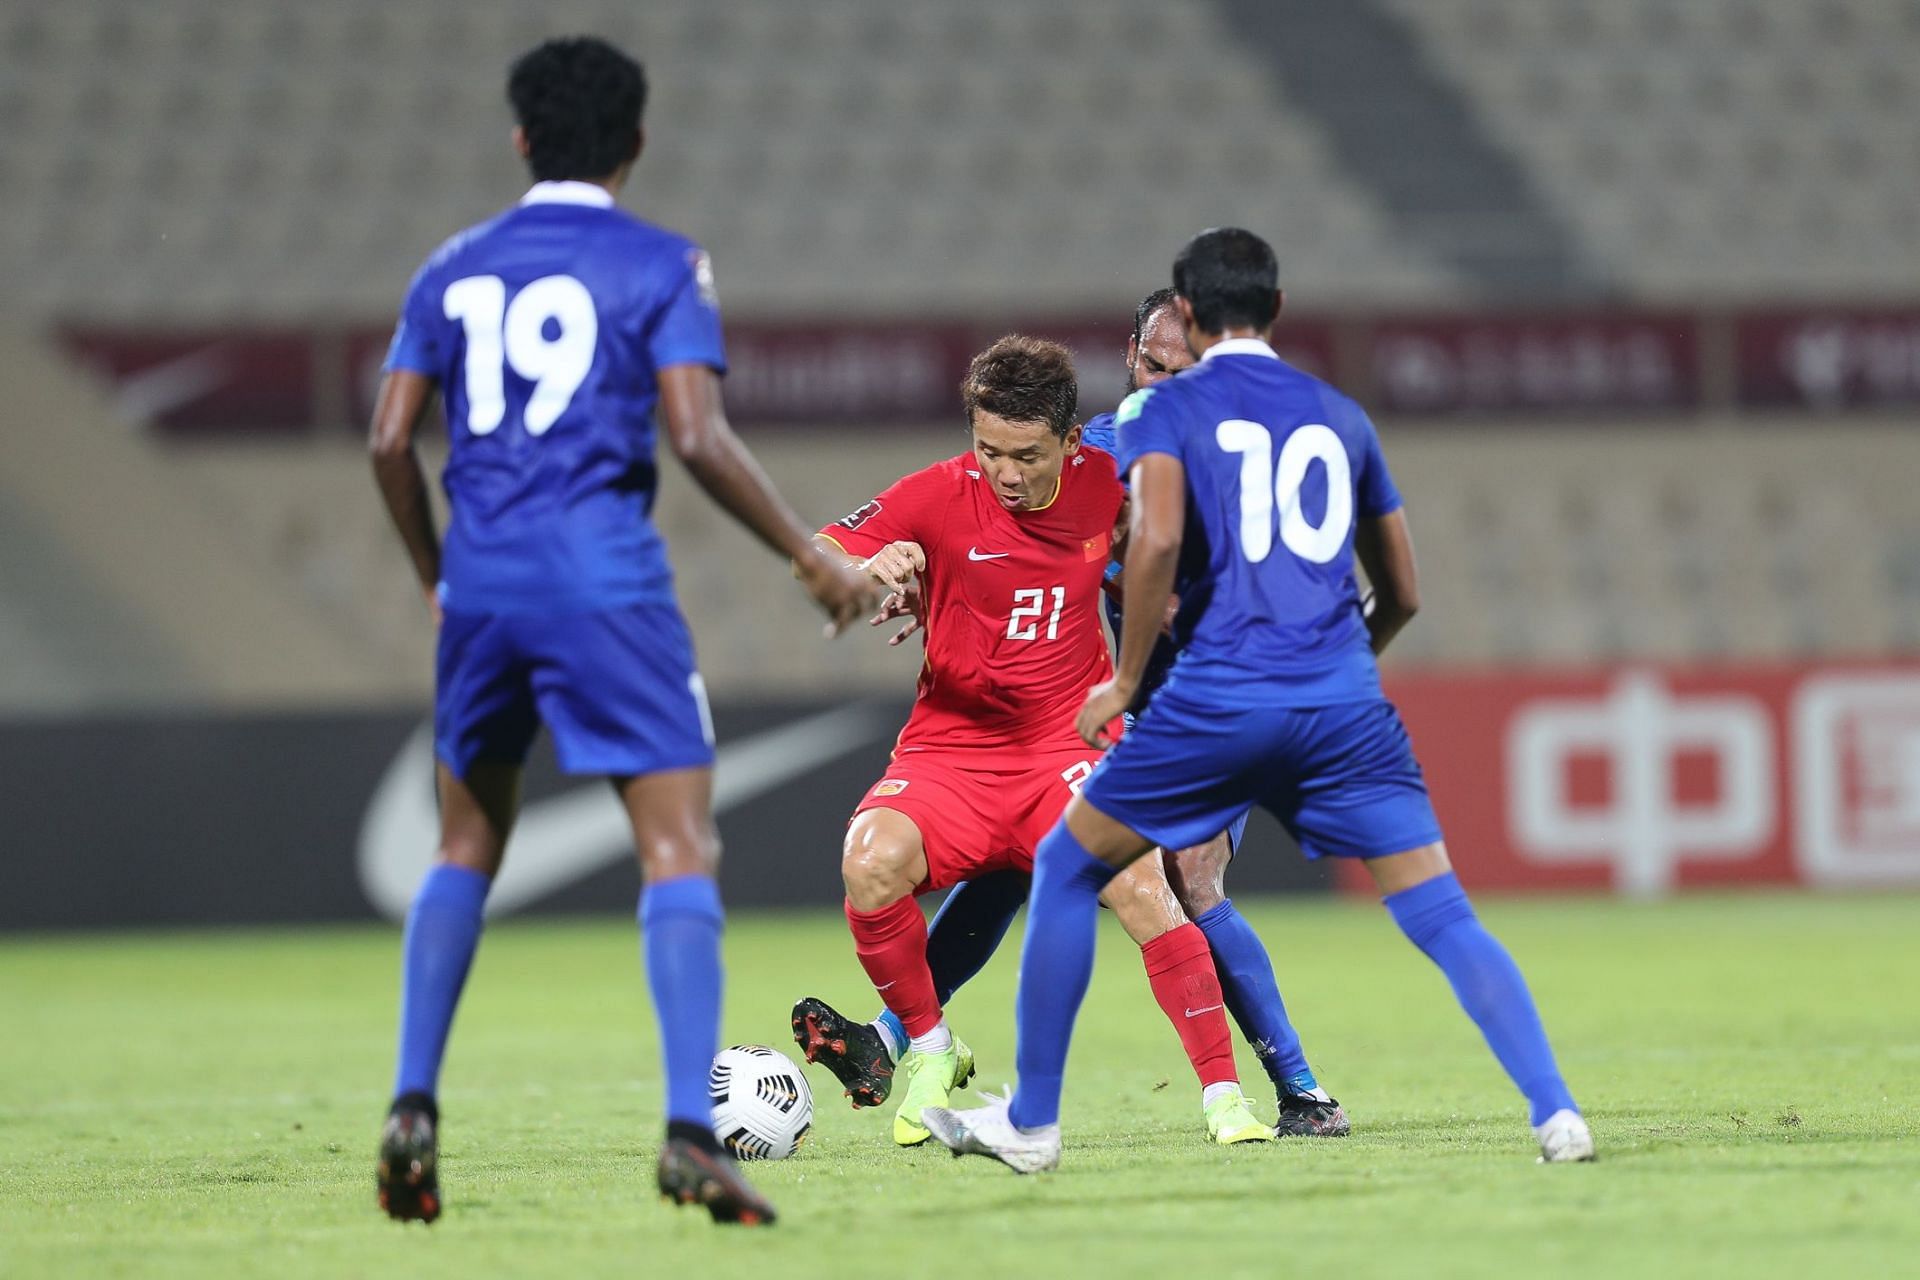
762	1107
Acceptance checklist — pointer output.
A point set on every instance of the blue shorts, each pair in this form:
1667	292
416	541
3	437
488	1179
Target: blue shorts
1236	830
1341	779
616	688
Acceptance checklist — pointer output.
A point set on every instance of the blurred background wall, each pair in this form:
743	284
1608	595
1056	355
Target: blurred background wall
1633	287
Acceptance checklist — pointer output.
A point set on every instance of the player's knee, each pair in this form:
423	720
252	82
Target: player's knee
1144	907
1198	876
669	856
470	854
1198	899
1199	893
875	873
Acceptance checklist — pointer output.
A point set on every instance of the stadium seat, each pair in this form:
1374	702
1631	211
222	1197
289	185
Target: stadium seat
1622	109
375	118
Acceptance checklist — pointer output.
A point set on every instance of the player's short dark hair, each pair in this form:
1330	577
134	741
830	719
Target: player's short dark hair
1155	301
1231	277
579	100
1024	379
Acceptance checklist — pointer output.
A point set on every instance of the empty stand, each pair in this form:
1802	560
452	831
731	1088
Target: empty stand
185	160
1708	148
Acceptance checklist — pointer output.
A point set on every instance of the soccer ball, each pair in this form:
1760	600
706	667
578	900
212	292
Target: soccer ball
762	1107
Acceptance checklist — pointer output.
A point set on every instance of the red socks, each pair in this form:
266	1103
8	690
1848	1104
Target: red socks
892	946
1180	970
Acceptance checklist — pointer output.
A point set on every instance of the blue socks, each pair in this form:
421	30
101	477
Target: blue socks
965	933
1253	997
680	922
443	930
1437	918
1056	963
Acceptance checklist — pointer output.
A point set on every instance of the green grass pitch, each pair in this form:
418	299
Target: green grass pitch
206	1104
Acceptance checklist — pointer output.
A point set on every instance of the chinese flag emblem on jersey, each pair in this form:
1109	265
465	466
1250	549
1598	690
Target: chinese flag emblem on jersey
1097	548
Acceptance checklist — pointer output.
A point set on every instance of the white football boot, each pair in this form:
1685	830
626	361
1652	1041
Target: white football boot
1564	1137
988	1131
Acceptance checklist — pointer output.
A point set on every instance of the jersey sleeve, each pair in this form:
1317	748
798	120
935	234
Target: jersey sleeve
420	338
909	510
1146	422
1098	432
686	328
1374	491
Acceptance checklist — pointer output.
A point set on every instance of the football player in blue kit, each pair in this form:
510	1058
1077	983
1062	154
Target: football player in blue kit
553	332
1157	351
1255	487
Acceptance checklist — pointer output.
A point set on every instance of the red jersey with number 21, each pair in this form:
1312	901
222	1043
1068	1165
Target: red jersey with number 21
1012	600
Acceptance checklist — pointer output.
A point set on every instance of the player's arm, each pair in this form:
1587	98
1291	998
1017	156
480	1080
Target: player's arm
1385	550
402	403
894	567
706	444
1155	529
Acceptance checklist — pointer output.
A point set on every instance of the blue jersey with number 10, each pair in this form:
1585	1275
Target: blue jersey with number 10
1279	466
546	328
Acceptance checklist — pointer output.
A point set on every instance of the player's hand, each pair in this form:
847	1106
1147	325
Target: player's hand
842	590
1105	703
894	565
901	604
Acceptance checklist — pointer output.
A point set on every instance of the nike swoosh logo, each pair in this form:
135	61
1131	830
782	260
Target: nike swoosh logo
567	837
1194	1013
889	986
974	553
159	389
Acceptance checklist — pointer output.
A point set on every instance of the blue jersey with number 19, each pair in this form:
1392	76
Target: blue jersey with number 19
1278	467
546	328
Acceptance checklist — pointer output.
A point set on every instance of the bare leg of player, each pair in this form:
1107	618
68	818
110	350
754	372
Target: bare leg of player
1180	971
680	924
443	932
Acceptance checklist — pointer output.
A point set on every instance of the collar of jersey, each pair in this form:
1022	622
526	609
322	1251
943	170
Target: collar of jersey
568	193
1059	483
1239	347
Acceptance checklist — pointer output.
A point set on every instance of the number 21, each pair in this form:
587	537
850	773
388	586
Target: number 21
1028	606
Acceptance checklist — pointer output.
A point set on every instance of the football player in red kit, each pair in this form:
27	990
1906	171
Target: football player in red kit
1006	547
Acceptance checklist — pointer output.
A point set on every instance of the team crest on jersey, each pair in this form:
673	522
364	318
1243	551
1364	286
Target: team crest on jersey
890	787
703	277
1130	407
1097	548
861	516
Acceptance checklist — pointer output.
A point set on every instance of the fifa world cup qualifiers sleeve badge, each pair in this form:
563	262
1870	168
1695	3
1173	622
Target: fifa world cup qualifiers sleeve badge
860	517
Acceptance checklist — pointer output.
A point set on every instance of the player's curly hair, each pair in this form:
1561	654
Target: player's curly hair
1024	379
579	100
1231	277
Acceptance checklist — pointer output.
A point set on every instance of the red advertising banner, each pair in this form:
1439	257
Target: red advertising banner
206	381
1835	359
1645	779
843	373
1545	364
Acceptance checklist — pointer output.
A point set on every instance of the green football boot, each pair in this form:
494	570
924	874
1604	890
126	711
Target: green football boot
1229	1121
930	1079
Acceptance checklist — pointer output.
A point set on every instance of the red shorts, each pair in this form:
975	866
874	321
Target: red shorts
980	811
